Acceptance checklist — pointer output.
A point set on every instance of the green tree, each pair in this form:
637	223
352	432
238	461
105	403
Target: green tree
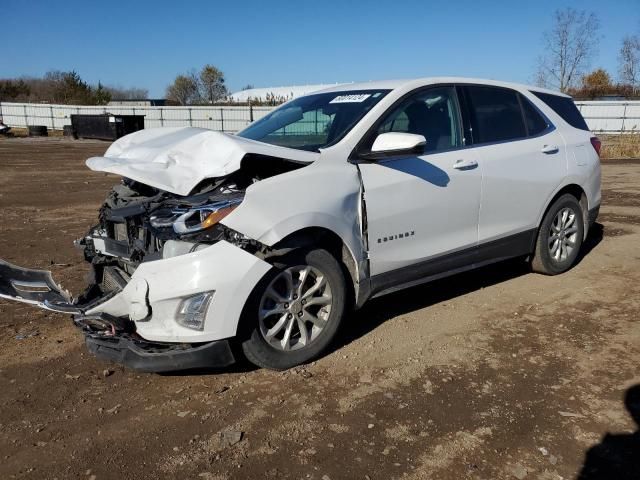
68	88
101	95
11	90
211	84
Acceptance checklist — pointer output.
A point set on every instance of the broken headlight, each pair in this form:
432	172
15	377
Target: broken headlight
195	219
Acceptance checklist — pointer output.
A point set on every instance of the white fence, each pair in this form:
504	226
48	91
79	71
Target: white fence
611	116
601	116
222	118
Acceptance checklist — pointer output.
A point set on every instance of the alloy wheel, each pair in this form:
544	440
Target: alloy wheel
563	235
295	308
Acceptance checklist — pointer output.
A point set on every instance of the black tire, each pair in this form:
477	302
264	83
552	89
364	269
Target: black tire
550	236
38	131
254	344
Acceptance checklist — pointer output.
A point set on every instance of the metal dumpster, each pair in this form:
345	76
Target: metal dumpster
105	126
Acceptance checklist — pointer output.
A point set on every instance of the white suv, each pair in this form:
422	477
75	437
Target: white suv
265	240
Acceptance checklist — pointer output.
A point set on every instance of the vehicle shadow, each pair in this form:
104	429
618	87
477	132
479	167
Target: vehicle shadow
617	456
418	168
379	310
242	365
596	234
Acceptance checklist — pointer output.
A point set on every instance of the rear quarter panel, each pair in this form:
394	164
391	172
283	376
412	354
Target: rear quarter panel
583	164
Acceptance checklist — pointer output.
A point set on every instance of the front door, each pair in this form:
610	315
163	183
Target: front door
424	208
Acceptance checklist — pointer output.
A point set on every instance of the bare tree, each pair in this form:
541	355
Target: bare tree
630	61
183	90
569	47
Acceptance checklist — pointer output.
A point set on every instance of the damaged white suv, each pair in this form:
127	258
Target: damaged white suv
265	240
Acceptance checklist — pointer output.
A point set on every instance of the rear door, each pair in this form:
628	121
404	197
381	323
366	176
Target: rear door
523	160
424	206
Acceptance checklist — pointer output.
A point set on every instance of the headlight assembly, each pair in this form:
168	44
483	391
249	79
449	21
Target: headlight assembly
196	219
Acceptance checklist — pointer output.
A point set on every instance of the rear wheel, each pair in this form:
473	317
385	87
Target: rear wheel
560	237
293	314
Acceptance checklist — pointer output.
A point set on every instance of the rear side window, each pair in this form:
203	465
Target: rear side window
495	114
564	107
535	122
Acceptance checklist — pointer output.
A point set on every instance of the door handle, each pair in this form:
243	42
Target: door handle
465	164
550	149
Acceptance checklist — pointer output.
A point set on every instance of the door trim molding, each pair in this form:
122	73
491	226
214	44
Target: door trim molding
511	246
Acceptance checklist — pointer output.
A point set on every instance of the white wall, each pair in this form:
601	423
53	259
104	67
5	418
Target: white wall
227	118
611	116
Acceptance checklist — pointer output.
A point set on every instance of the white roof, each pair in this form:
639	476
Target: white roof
285	93
417	82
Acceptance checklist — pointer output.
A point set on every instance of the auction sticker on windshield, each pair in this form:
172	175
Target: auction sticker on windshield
351	98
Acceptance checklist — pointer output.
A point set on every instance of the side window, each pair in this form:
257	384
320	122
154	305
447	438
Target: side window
396	123
432	113
536	123
564	107
495	114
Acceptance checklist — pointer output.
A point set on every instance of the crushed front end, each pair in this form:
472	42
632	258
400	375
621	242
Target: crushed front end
169	282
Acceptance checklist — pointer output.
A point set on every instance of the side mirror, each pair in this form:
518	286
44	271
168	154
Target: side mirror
395	144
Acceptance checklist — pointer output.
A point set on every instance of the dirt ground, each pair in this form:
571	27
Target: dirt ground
493	374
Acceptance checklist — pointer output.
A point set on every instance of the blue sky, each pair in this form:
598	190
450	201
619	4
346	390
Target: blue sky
272	43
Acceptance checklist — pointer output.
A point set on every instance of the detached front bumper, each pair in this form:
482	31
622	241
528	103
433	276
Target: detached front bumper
137	326
158	358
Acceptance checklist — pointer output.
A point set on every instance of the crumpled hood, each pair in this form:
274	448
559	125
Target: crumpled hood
178	159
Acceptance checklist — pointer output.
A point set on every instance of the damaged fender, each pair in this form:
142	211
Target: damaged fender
283	205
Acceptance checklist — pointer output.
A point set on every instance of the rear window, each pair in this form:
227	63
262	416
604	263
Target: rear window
495	114
564	107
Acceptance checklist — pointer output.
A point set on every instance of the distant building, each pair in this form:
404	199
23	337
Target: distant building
139	102
281	94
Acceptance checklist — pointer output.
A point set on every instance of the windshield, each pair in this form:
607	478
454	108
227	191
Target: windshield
314	121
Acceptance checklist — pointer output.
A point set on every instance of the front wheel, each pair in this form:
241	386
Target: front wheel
560	237
295	311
